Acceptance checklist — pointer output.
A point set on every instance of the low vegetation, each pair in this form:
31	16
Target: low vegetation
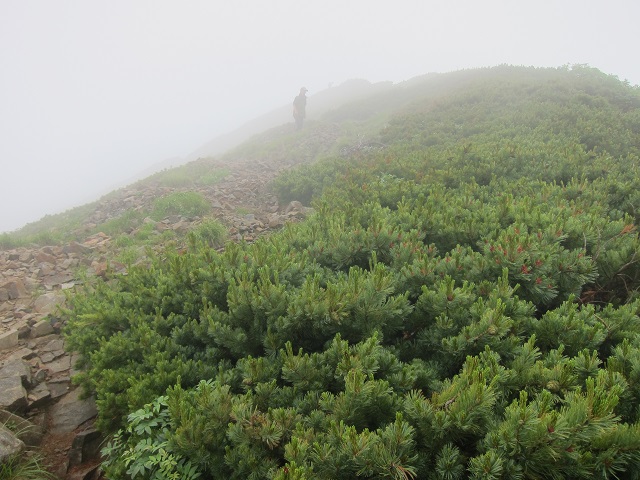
193	174
189	204
24	467
71	225
463	303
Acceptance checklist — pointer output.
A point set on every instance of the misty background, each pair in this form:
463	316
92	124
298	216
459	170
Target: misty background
92	93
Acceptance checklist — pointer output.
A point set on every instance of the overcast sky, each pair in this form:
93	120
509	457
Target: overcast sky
92	92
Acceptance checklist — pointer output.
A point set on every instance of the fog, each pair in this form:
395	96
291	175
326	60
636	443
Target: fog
94	92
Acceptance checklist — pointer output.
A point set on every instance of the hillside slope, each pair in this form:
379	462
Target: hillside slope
319	104
465	287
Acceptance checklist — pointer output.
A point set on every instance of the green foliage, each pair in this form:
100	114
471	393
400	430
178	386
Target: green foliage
462	304
24	467
143	450
210	232
27	465
8	241
212	177
126	222
199	173
188	204
307	181
49	230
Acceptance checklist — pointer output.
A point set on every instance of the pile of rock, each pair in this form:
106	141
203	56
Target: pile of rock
37	398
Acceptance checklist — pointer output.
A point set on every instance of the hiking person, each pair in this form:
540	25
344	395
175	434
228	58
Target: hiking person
299	106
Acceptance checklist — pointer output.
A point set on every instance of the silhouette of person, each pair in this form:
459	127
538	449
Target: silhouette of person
299	106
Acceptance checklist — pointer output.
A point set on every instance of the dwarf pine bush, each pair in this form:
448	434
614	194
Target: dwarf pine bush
463	304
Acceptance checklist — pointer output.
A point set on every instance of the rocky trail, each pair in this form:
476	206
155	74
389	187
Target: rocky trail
37	396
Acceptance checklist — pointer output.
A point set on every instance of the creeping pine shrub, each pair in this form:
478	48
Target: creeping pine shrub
457	307
188	204
143	450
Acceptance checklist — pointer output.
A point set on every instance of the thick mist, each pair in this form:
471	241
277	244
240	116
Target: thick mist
93	93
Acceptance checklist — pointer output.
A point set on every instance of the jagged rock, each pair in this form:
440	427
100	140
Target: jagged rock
50	356
39	342
42	328
71	412
45	269
47	357
40	376
13	396
13	289
47	302
59	365
16	368
181	226
45	256
5	307
58	387
294	207
98	239
54	345
24	330
75	248
57	279
24	353
99	268
10	445
91	472
30	433
85	447
276	221
39	396
8	339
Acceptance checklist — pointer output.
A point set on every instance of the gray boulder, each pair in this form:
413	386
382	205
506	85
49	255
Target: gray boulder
10	445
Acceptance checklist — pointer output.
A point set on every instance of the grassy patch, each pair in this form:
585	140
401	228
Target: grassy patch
210	232
214	176
8	241
198	173
188	204
125	223
24	467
